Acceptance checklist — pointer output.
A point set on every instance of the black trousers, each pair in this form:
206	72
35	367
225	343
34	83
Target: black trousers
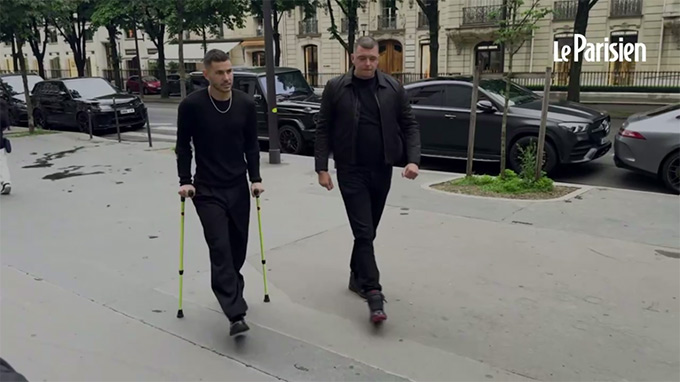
364	192
225	214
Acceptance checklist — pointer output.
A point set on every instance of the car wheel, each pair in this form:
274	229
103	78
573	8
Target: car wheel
670	172
39	120
515	154
290	140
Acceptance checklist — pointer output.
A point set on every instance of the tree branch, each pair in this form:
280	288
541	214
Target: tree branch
422	5
334	27
342	8
592	2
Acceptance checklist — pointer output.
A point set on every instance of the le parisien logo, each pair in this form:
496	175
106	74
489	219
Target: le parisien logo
601	52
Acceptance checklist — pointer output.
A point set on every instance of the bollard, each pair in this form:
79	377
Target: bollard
148	124
115	113
89	119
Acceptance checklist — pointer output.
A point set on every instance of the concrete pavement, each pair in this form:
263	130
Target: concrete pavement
478	289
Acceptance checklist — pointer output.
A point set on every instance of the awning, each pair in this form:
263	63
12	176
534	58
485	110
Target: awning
193	52
251	43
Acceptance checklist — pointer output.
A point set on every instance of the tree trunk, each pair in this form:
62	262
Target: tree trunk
24	77
277	48
165	92
115	60
205	42
433	19
504	126
180	53
580	26
15	55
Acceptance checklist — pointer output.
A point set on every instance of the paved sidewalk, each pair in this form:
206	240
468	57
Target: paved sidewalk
478	289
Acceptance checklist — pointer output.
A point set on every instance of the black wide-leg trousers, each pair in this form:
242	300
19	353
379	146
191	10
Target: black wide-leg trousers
225	214
364	192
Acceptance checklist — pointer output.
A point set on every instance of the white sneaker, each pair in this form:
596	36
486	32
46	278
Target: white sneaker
6	189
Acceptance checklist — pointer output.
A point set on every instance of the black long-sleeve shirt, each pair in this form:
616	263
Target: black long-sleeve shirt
226	145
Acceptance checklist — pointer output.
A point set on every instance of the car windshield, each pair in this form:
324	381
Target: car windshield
89	88
150	79
288	84
15	84
518	94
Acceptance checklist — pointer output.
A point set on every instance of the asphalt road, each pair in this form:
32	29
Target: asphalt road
601	172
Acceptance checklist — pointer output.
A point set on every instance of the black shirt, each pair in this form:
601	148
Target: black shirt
226	145
370	150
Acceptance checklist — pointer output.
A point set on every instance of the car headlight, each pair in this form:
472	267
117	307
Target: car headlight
575	127
105	107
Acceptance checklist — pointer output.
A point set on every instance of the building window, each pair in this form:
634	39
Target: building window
311	64
489	56
259	58
562	69
130	34
425	60
621	73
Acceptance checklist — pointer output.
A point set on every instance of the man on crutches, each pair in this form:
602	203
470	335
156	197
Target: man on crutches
222	123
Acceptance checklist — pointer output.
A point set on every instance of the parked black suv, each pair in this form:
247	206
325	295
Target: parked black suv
297	105
575	133
12	91
66	102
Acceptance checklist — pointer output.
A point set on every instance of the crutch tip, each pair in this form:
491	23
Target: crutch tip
266	298
180	313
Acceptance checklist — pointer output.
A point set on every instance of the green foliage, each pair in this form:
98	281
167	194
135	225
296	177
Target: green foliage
527	160
510	183
518	25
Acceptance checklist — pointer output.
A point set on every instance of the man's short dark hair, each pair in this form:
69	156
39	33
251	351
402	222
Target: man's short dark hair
215	55
366	42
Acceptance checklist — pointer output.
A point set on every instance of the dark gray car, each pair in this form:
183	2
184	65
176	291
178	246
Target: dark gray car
575	133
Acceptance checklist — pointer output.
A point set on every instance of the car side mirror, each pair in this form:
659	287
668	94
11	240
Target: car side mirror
486	106
258	97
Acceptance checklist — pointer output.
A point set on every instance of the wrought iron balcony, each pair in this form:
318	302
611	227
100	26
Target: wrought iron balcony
390	22
309	27
626	8
488	14
565	10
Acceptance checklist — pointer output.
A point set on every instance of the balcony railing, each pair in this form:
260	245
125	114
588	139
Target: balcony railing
626	8
482	15
388	22
308	27
565	10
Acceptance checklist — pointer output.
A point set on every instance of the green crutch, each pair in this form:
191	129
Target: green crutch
264	261
180	312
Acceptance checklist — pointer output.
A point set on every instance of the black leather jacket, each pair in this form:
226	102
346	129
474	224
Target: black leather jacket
338	122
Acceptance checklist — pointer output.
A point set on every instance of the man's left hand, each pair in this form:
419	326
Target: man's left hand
257	189
410	171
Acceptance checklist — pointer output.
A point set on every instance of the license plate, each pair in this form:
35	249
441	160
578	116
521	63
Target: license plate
127	111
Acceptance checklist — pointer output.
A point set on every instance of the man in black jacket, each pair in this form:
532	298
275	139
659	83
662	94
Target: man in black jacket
367	124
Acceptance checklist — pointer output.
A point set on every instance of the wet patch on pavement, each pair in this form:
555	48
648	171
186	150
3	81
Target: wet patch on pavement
47	158
69	172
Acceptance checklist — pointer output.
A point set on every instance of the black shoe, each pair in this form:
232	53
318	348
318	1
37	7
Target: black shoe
375	300
238	327
354	287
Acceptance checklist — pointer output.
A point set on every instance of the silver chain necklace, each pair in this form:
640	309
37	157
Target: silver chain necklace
231	99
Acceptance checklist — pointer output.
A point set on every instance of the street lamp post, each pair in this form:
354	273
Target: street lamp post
272	118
